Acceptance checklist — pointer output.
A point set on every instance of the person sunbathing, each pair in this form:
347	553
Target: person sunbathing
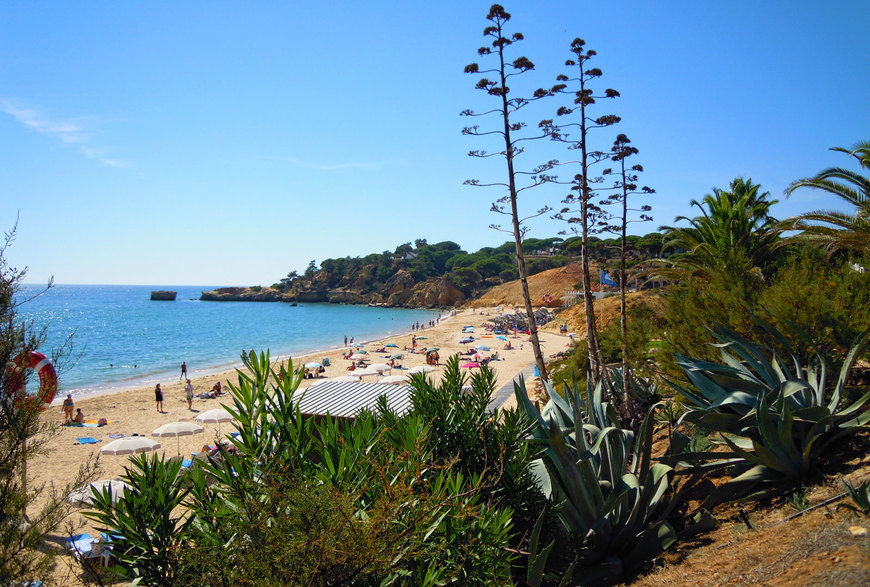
79	417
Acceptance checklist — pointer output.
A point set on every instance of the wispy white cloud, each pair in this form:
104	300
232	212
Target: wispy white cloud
338	166
70	133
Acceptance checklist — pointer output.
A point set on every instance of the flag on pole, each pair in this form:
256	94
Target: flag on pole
607	280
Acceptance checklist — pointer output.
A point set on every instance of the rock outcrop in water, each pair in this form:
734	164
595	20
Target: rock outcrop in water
245	294
164	295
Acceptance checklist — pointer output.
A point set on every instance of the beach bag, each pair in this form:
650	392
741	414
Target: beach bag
102	422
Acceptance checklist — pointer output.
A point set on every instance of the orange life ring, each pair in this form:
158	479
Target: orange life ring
43	367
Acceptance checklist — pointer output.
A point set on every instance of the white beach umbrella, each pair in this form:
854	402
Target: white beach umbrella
394	379
379	367
366	371
84	494
214	416
217	415
178	429
130	445
357	357
313	365
421	369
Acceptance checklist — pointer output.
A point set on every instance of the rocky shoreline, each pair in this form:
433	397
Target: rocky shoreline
399	293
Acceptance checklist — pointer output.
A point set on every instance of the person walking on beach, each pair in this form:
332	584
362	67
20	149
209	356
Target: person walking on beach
68	406
183	370
188	389
345	340
158	396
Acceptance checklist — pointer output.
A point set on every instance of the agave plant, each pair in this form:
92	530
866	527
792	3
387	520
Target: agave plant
610	499
779	416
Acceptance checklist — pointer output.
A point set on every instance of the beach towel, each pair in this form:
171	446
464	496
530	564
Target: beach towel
116	436
87	440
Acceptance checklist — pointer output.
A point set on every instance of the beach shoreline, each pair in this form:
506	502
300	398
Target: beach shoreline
133	410
139	382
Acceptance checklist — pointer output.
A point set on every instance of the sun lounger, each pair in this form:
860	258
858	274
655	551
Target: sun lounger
85	547
87	440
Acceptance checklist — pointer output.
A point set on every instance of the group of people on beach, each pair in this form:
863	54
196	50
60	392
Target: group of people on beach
68	407
216	391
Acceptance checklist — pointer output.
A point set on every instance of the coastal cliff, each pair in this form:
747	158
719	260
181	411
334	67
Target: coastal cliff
399	292
244	294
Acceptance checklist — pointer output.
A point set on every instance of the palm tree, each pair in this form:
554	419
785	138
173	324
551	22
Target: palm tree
836	230
734	232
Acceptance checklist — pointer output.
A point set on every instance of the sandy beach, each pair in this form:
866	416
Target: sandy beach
134	411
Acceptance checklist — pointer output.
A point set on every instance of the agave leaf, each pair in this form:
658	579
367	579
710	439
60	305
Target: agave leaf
710	390
746	455
643	446
791	387
720	421
538	560
751	354
703	521
653	541
857	406
811	414
573	483
851	357
738	486
696	399
737	397
786	440
526	405
771	450
559	401
539	470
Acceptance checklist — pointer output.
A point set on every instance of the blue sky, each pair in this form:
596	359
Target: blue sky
228	143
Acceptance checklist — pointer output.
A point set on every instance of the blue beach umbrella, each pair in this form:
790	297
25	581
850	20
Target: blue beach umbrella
482	348
466	340
501	338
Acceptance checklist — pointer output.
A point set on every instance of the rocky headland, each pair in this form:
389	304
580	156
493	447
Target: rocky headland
399	292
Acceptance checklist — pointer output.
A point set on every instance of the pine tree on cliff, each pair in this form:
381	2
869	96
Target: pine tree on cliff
511	135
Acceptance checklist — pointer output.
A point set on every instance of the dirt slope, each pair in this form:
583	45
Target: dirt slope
575	316
552	281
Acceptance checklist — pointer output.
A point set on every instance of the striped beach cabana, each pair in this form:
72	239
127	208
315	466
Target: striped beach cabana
346	399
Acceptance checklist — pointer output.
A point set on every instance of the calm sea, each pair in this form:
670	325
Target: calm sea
121	339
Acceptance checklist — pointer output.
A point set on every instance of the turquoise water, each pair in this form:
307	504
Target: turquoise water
121	339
